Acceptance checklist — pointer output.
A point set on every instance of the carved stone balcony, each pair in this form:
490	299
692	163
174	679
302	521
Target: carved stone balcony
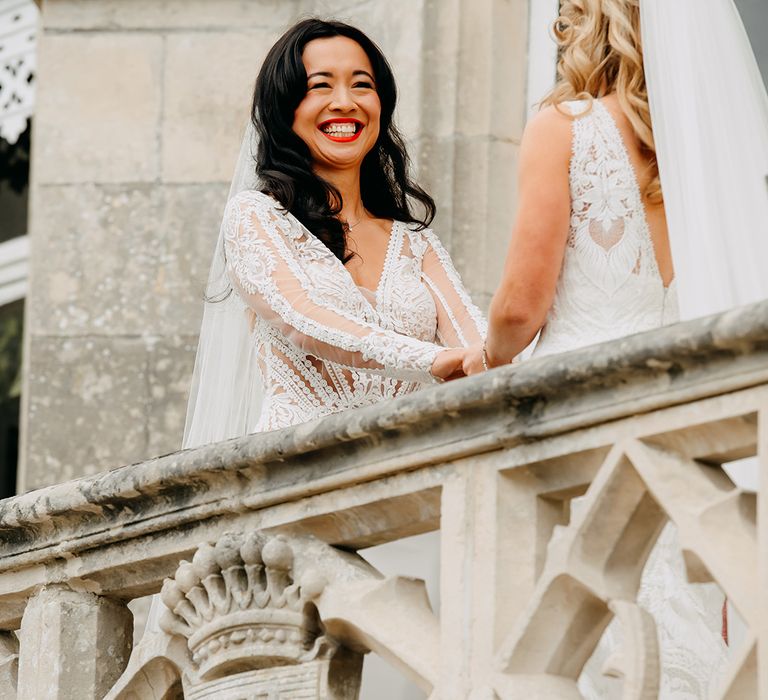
258	544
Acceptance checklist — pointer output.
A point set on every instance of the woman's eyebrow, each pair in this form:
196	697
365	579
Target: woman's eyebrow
328	74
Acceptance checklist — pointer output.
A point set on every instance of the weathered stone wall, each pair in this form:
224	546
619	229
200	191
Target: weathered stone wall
141	107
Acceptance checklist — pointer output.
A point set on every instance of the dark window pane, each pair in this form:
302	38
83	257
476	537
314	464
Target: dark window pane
11	326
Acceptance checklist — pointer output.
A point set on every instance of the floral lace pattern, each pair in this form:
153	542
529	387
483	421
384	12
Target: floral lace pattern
322	343
609	287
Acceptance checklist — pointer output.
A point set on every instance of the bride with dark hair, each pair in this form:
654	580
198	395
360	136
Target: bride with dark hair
328	289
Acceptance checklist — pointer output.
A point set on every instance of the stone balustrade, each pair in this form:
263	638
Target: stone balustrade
258	544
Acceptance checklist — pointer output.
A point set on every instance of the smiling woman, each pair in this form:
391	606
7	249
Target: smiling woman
347	297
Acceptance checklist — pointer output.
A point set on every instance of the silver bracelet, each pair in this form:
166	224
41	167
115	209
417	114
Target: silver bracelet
484	355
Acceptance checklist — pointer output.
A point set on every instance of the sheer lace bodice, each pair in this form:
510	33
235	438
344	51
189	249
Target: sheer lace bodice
322	343
609	285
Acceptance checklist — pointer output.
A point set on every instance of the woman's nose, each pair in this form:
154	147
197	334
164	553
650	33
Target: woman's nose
342	99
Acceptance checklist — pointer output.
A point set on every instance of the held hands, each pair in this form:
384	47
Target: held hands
462	362
473	360
448	364
458	362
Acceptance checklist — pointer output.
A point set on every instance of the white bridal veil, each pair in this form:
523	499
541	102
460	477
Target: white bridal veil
226	393
710	122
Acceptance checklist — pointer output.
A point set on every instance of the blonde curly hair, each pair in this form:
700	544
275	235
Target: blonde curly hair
601	53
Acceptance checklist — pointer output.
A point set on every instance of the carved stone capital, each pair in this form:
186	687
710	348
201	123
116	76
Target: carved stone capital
239	608
248	621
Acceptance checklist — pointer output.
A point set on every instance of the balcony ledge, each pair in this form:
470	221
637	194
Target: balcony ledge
507	406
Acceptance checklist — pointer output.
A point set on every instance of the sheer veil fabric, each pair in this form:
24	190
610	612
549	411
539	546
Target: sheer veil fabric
226	391
710	120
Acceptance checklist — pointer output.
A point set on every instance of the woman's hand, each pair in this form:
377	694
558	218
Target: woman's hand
448	364
473	360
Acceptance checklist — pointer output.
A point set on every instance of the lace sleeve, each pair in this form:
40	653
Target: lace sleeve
263	265
459	321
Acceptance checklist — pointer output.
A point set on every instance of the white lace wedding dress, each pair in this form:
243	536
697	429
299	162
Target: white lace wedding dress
322	343
609	287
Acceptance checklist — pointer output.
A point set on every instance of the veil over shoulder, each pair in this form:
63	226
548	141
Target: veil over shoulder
710	120
226	391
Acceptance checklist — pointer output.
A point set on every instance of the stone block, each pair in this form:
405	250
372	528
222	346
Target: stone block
440	54
169	14
122	260
437	157
171	362
470	209
474	63
94	251
502	207
467	178
96	403
508	75
191	220
86	407
98	108
209	81
74	644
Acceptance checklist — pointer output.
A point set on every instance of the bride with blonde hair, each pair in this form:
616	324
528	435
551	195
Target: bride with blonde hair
651	148
589	258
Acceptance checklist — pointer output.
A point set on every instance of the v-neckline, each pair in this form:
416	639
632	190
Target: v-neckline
388	256
635	183
394	232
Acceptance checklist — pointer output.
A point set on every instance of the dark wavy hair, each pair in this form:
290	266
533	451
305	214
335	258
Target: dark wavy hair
283	160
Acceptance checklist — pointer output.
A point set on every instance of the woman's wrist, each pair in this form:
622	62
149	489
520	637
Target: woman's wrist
490	358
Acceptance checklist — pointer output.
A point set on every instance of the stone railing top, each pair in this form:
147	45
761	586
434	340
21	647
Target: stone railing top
509	405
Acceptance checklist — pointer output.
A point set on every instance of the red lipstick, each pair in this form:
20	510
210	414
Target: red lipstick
346	138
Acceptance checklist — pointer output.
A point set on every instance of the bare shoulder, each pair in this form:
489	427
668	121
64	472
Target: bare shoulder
547	140
552	126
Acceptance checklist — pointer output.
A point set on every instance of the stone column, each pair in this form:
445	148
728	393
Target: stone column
74	645
473	114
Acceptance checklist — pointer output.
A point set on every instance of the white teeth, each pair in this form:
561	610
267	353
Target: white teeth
339	129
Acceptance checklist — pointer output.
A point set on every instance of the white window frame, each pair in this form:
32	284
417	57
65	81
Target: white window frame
14	269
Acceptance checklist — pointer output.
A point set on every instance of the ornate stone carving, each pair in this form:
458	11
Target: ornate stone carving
249	624
594	565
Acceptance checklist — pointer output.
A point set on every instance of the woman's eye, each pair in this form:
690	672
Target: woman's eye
363	84
318	85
